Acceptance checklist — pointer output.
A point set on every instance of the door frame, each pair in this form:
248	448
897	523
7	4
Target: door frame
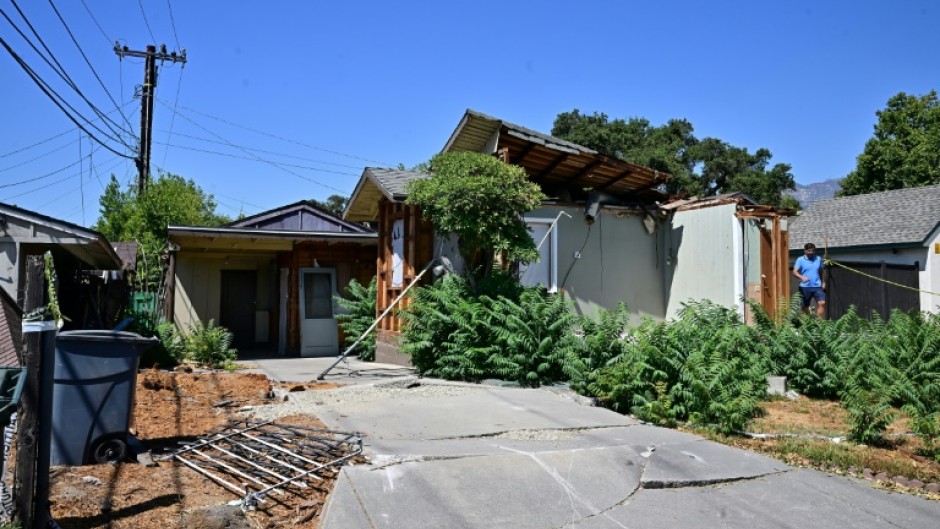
301	312
249	337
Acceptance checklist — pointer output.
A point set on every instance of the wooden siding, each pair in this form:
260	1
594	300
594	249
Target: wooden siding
351	261
418	251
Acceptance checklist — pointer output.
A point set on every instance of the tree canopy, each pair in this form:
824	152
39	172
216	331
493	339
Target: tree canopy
905	149
482	200
170	199
333	203
701	167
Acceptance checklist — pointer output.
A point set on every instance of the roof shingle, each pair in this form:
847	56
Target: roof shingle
899	217
395	180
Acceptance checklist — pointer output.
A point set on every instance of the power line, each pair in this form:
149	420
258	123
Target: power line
81	188
47	140
71	191
176	100
41	156
302	177
40	83
173	22
50	184
37	178
142	12
256	158
60	71
88	62
275	153
37	144
93	19
260	208
275	136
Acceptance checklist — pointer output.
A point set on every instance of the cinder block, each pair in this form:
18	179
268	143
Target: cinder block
776	385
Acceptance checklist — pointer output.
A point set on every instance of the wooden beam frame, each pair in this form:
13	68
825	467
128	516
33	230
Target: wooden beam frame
584	172
523	153
625	173
554	165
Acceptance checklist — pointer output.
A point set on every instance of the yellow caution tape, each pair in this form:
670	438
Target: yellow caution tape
876	278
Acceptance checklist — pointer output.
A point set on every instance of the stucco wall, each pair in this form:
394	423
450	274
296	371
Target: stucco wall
199	287
703	258
618	262
930	275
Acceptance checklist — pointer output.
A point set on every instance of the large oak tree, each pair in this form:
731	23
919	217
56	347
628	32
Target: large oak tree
701	167
905	149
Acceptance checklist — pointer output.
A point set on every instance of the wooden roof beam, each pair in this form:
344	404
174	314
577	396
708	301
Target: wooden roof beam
522	154
554	165
624	174
588	169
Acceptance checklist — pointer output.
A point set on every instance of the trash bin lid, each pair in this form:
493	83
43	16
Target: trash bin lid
102	335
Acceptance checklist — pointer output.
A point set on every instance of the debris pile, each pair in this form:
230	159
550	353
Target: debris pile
261	460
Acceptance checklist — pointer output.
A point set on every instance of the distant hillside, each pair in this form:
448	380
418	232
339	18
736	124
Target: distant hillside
815	192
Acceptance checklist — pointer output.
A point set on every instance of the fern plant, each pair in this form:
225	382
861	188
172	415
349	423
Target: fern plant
360	313
495	328
602	343
211	345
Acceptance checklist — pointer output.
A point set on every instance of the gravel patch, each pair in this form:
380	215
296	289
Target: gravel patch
537	435
332	399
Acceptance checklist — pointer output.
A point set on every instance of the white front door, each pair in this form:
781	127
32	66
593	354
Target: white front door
319	335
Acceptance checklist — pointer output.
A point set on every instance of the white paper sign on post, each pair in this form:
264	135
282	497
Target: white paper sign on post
398	253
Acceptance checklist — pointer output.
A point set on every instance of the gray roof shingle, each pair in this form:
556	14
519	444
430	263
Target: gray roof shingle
900	217
395	180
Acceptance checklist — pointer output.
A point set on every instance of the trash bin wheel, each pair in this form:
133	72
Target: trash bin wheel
109	450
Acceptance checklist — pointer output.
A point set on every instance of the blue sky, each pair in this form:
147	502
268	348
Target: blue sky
295	98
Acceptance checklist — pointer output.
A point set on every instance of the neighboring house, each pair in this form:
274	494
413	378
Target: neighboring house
621	241
11	338
269	278
79	255
894	235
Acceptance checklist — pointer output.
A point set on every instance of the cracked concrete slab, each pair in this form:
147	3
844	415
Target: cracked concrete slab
462	456
796	499
343	507
475	412
517	489
528	441
704	462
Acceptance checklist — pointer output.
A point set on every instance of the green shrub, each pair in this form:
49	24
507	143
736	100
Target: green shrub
602	343
360	306
493	329
210	345
706	367
166	354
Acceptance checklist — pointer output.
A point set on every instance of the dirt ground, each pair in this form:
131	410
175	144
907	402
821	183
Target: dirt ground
898	457
172	407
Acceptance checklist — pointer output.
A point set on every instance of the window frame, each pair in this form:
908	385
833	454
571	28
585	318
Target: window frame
553	249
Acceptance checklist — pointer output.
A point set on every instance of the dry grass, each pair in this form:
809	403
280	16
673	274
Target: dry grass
898	457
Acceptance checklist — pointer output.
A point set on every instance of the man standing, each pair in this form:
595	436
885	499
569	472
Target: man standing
809	269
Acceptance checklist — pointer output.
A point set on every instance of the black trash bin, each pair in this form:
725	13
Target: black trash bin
93	396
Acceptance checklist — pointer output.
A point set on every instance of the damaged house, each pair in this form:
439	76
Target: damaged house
270	278
92	276
616	237
890	242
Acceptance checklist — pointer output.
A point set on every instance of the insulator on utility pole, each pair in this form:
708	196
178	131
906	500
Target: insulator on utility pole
150	56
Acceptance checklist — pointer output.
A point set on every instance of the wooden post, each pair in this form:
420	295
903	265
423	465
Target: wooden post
28	418
169	300
885	311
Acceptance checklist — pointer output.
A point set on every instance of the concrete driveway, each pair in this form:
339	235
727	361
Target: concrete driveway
446	455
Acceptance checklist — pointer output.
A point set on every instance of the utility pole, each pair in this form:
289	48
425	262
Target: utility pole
150	57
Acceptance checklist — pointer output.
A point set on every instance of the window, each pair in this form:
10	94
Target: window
545	271
318	295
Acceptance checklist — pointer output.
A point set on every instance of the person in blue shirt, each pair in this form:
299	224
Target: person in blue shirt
809	270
